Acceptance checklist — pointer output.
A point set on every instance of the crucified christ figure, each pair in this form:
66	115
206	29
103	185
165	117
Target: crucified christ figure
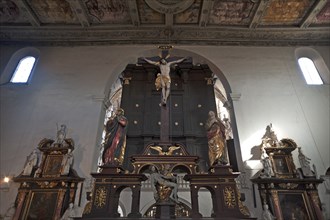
163	79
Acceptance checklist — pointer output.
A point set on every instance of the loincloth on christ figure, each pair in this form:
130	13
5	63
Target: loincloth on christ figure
158	82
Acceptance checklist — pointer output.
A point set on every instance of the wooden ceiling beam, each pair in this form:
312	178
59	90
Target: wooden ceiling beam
79	9
311	16
33	19
259	12
205	12
133	11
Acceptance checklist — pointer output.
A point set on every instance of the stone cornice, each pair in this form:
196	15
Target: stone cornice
193	36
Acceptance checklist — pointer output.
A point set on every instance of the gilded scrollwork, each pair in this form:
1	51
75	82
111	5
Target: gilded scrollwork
100	197
242	208
229	196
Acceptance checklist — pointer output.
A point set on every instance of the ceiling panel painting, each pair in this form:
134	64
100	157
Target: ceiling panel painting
289	12
148	15
189	16
231	12
11	13
324	16
53	11
108	11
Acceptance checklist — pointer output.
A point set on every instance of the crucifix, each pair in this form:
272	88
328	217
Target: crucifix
163	81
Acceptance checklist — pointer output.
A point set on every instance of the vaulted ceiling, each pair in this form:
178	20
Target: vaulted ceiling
206	22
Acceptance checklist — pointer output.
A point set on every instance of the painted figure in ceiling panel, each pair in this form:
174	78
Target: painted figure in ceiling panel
189	16
324	16
148	15
108	11
231	12
53	11
286	12
8	11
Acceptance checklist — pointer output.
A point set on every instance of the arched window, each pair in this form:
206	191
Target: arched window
23	70
309	71
312	66
20	66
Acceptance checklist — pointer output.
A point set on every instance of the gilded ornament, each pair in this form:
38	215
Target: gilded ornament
288	185
100	197
230	199
47	184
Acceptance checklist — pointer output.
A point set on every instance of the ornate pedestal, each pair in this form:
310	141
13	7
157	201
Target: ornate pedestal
107	188
51	186
225	195
288	194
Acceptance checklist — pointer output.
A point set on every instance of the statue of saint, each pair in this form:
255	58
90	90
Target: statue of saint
304	163
67	163
70	213
162	185
115	139
216	140
267	168
266	214
163	79
228	129
61	134
31	162
270	139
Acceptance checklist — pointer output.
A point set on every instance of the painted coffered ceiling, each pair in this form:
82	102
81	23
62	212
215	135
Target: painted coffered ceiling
206	22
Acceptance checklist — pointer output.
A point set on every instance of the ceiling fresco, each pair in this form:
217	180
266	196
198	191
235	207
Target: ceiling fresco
232	12
217	22
286	12
108	12
53	12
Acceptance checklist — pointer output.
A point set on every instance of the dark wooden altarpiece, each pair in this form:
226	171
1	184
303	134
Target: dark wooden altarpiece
171	137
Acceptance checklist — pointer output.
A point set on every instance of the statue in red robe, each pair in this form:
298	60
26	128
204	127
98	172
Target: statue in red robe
115	139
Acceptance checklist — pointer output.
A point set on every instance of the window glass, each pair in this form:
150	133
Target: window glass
309	71
23	70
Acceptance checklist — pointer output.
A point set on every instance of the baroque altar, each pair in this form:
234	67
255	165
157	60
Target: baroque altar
160	127
48	183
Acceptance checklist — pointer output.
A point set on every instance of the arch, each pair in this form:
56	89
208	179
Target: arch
317	59
205	195
197	59
181	168
15	60
124	194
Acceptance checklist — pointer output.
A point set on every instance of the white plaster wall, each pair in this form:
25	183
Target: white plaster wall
69	84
